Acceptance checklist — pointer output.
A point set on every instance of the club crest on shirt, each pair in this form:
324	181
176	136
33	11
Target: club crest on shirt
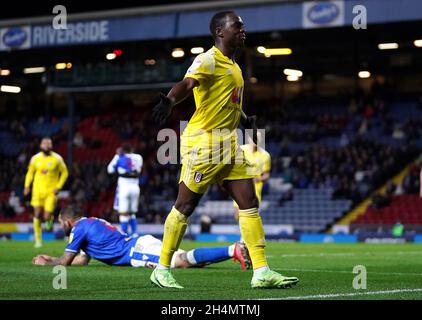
197	177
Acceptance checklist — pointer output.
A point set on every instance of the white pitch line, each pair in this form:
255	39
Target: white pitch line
317	255
342	271
349	254
338	295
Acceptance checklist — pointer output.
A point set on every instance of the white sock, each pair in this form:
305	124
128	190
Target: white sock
124	218
231	250
257	272
191	257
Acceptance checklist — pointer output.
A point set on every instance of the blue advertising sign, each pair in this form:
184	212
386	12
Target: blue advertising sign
318	14
75	33
18	37
328	238
257	17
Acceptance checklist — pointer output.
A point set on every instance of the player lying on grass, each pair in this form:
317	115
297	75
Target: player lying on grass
98	239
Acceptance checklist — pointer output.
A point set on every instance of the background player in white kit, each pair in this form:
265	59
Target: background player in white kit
128	166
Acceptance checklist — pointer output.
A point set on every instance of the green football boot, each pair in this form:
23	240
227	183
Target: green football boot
164	279
270	279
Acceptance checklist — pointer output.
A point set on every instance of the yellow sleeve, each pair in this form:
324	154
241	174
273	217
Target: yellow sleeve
202	68
64	173
30	173
267	163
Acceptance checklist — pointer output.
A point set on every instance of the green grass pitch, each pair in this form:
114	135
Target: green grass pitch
325	272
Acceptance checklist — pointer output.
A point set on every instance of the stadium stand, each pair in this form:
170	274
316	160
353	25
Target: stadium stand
328	165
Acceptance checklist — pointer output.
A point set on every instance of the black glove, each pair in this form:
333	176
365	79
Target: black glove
162	110
250	123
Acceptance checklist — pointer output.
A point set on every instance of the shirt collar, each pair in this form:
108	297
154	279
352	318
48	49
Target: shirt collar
222	55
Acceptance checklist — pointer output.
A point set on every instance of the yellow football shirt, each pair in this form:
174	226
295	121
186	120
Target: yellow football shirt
219	95
261	160
47	172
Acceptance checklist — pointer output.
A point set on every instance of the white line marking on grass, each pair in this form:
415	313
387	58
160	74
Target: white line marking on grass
341	271
305	255
338	295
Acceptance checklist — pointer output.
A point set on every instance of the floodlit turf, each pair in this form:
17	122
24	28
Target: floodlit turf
325	272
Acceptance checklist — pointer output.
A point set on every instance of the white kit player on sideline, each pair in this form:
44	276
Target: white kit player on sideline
128	167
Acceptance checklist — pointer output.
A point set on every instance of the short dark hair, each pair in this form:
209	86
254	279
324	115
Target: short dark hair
72	211
218	20
126	148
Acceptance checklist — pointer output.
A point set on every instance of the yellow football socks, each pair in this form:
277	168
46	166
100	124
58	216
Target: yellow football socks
252	232
174	230
37	230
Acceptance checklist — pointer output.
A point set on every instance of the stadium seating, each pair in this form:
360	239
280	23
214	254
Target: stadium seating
312	207
404	208
311	210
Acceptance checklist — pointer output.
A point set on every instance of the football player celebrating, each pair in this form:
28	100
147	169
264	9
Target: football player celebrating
217	84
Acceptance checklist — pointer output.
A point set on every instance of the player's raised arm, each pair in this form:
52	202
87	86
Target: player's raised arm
111	168
182	90
177	94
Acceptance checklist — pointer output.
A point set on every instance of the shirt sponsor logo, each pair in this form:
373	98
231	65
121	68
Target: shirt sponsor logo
236	95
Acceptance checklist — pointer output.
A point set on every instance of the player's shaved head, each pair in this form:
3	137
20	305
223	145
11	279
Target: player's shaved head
218	21
72	212
68	217
46	145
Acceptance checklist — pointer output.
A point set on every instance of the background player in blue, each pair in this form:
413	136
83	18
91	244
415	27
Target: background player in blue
128	166
96	238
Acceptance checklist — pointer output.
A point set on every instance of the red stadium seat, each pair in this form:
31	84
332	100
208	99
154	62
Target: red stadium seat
404	208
